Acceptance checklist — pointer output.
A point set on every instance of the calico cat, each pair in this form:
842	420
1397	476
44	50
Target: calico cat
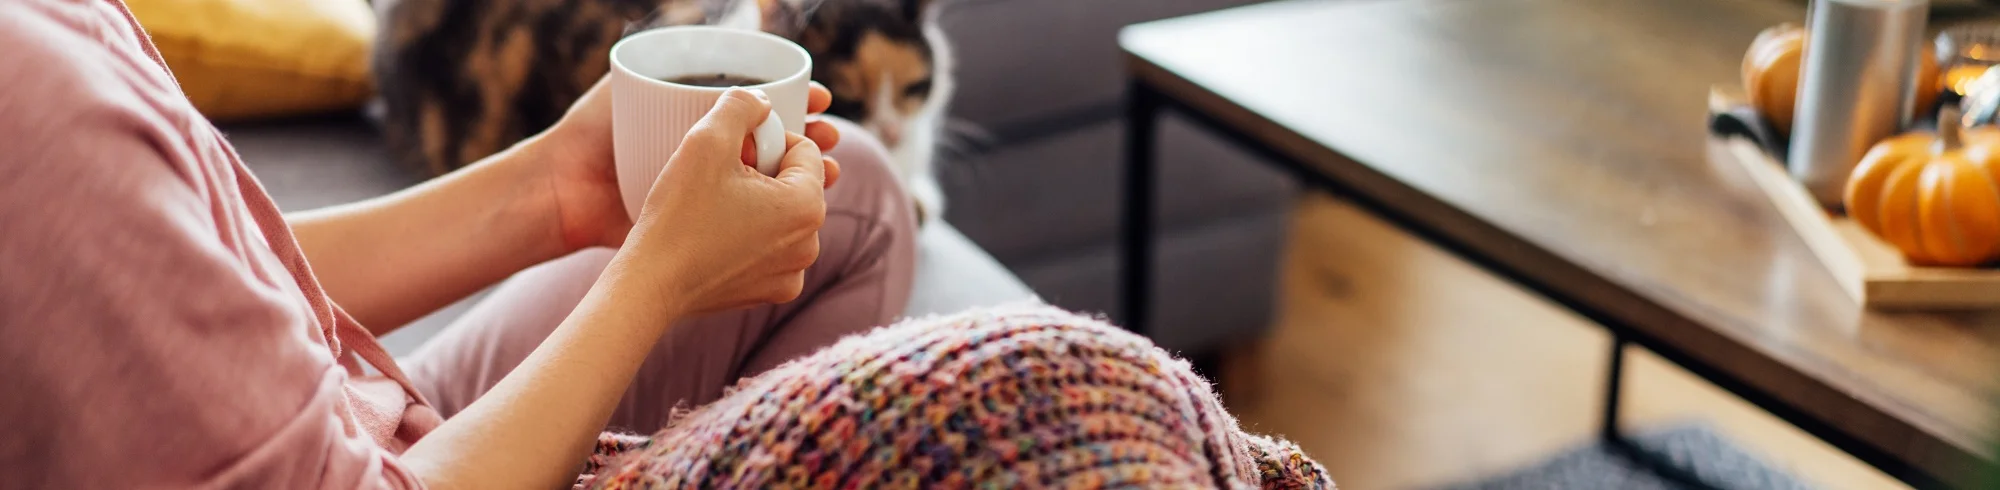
462	79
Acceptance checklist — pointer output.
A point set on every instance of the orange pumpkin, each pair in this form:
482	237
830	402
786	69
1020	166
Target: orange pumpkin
1771	74
1936	196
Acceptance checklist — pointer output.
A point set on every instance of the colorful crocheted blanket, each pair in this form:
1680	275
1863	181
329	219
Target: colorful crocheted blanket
1012	397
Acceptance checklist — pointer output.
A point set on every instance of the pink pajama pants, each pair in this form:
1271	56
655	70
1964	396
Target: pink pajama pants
862	280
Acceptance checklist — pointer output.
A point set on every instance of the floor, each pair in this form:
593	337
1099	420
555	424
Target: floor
1399	366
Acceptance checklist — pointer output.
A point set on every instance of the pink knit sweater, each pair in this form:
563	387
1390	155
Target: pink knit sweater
158	324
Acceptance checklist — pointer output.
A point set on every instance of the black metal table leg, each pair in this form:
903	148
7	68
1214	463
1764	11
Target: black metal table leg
1136	267
1614	377
1615	439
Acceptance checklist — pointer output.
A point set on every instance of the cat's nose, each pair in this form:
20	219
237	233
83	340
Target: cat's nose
890	132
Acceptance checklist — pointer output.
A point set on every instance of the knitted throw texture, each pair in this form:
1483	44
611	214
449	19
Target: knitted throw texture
1011	397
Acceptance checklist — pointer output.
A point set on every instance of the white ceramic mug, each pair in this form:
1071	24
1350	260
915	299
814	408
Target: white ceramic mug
650	116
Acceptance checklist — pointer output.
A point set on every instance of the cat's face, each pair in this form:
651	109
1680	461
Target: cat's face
873	55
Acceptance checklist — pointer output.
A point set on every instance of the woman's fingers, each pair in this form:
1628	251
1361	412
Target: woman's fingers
803	254
818	98
803	164
832	172
727	124
785	288
823	133
756	236
789	282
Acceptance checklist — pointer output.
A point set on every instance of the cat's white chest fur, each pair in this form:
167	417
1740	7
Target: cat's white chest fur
914	157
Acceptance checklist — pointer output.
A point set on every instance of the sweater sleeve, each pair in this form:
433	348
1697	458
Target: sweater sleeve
144	341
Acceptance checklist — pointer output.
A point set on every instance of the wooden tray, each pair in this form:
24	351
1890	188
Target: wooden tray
1871	270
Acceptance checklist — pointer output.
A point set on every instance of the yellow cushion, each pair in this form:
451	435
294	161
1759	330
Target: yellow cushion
249	59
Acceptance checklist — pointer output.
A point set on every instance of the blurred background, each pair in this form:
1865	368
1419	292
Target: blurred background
1394	361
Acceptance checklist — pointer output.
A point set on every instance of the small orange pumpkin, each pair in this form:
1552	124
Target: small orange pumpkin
1771	74
1936	196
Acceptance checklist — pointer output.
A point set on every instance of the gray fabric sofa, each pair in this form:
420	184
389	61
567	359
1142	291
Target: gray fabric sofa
1044	78
312	163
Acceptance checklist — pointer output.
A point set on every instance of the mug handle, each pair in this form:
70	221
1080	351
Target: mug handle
769	139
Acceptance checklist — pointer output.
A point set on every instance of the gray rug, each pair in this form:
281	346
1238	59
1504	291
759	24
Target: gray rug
1681	457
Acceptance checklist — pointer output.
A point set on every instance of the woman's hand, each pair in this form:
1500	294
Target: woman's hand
582	180
717	235
396	258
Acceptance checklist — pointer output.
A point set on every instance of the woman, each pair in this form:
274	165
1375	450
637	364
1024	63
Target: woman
163	326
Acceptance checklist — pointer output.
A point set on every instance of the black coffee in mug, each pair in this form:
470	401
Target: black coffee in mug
716	80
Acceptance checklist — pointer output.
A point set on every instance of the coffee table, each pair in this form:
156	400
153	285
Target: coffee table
1561	144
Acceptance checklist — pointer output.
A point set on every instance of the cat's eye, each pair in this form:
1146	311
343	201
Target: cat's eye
918	88
846	108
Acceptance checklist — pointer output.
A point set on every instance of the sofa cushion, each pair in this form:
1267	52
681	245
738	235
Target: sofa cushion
316	162
1020	60
245	59
954	275
1213	283
1065	192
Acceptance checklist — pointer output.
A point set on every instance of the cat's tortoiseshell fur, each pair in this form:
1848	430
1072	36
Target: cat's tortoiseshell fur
462	79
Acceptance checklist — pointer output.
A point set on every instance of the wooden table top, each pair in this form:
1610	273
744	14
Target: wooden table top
1565	141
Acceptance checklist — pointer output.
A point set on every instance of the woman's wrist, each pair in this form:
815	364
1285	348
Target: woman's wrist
652	283
649	284
531	200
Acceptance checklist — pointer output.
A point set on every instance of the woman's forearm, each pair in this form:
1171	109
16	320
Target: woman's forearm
535	427
394	258
757	235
